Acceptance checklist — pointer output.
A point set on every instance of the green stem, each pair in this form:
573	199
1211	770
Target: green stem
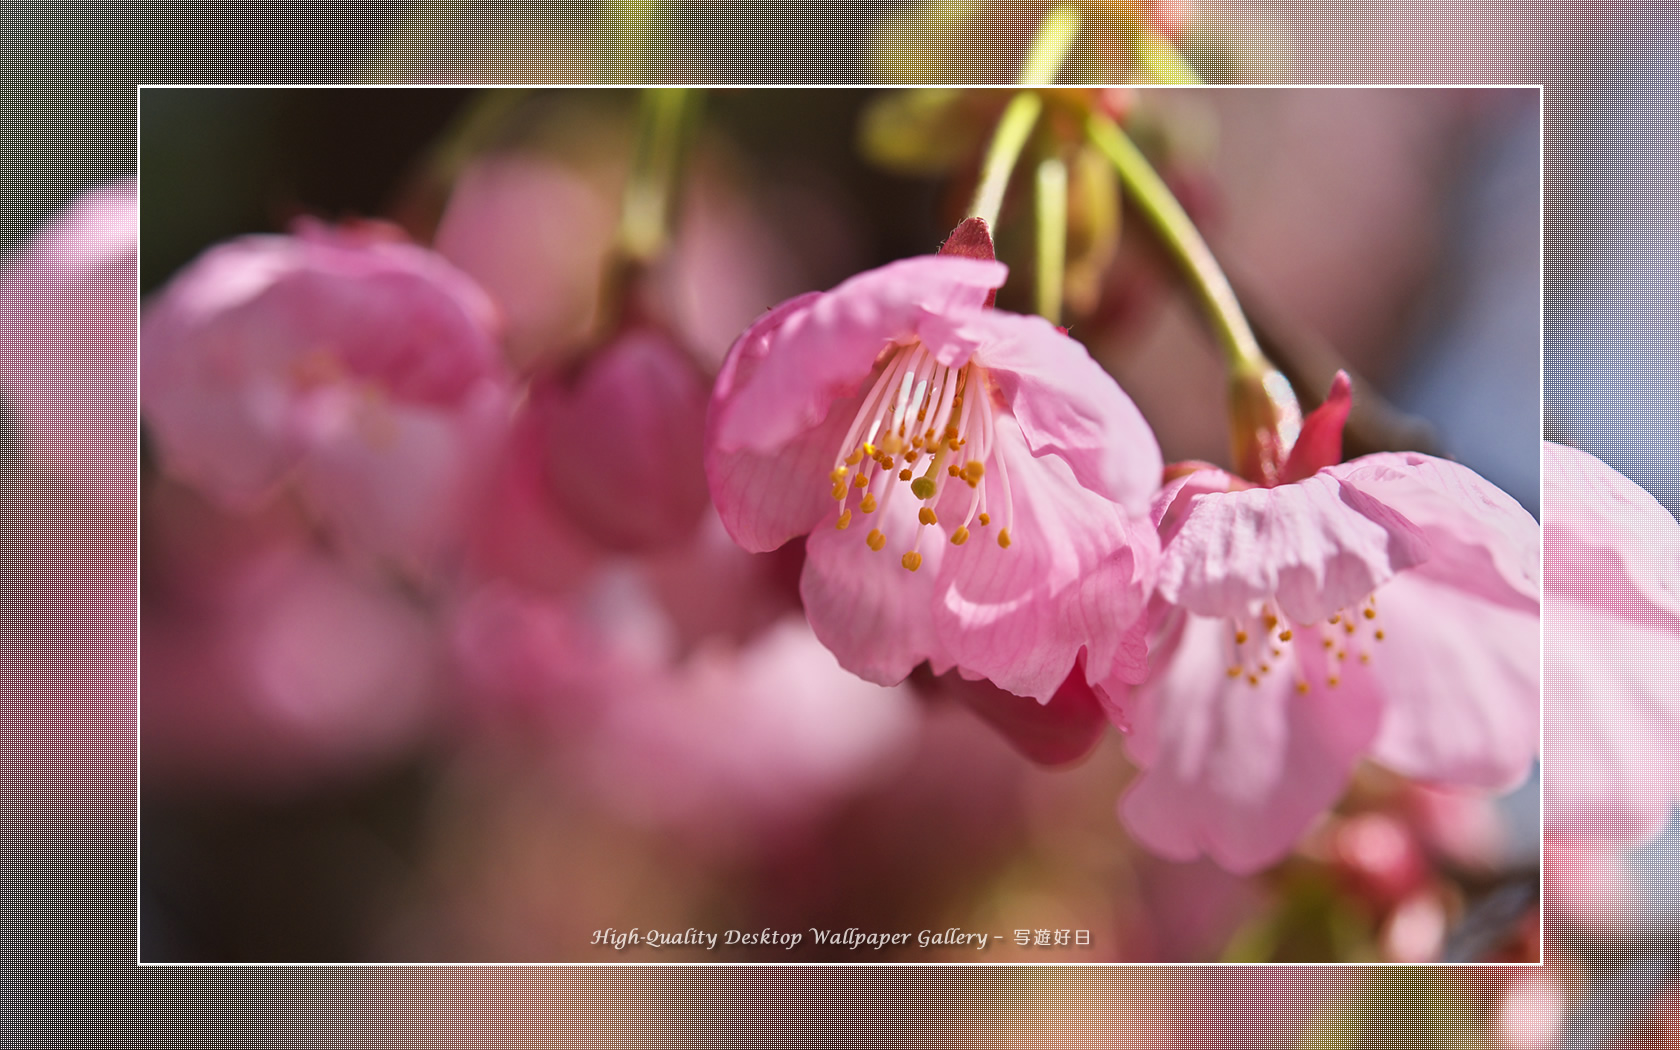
1052	236
1146	190
1049	49
1155	54
644	223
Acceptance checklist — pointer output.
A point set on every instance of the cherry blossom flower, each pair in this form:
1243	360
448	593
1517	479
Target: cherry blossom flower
972	482
1612	654
1387	606
362	371
621	442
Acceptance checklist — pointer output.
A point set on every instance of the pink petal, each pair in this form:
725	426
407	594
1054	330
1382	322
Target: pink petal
766	498
871	612
1076	576
1053	734
1320	443
1234	771
534	235
1460	676
1314	546
813	350
1479	538
1612	653
1068	406
624	443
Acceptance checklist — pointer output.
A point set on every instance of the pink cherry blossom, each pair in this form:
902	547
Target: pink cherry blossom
67	350
269	666
361	372
972	482
1612	654
1384	607
621	442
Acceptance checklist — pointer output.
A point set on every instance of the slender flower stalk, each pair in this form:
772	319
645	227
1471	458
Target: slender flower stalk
1052	236
1044	60
1155	55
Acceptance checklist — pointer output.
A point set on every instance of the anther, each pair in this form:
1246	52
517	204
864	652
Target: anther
839	490
838	474
875	539
860	482
1233	672
845	518
1242	636
911	560
1301	687
1003	538
1370	614
927	517
960	537
1286	634
1333	681
868	504
985	519
1378	636
904	475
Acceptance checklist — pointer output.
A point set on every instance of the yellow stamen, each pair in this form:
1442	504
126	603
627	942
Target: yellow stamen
1301	687
927	517
868	504
1242	636
1003	538
904	475
985	519
1286	634
860	482
845	518
876	540
838	474
1370	614
912	560
960	537
1233	672
839	490
855	458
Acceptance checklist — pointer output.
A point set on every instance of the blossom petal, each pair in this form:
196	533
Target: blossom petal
1076	576
1053	734
1320	443
870	611
1612	568
1234	771
1461	680
1316	546
819	347
1068	406
1479	538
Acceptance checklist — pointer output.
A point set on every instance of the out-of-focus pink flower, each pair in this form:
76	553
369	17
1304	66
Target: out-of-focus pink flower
763	732
970	479
268	666
363	372
67	314
1612	654
535	235
1276	669
621	442
1061	731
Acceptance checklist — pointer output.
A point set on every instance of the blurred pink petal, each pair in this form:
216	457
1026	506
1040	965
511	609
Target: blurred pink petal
362	372
769	732
1043	463
67	319
534	235
1388	607
1612	654
1057	733
266	665
622	442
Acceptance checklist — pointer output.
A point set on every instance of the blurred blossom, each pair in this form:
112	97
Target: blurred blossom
1276	670
733	739
358	371
1612	654
621	442
67	314
1590	888
1063	730
68	440
1531	1012
267	664
998	425
534	235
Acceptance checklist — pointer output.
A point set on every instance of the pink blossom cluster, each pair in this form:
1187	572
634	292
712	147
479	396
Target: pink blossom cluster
390	477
